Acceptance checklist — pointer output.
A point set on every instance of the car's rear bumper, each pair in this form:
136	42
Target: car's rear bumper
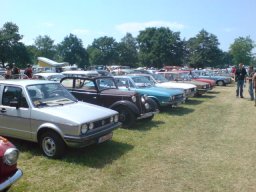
7	183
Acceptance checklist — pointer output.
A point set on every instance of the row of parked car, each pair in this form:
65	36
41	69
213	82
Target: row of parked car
80	108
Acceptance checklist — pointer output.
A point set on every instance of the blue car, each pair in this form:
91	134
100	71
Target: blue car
140	84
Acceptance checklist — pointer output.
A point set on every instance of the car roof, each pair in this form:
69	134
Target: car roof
21	82
48	74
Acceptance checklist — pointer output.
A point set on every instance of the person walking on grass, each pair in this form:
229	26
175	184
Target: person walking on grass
249	78
240	77
254	86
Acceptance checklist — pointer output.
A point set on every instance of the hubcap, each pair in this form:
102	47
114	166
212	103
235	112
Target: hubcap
49	146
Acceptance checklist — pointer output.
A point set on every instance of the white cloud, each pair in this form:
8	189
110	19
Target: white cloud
135	27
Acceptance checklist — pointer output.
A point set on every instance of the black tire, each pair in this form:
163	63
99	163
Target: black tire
153	104
126	116
220	83
52	145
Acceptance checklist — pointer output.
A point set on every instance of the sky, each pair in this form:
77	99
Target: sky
91	19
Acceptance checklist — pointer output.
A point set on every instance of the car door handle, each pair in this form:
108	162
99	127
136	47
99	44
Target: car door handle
94	97
3	110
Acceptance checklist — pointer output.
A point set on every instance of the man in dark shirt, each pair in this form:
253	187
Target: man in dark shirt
240	76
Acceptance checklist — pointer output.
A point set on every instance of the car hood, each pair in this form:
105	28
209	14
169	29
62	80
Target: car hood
154	91
175	85
73	114
4	145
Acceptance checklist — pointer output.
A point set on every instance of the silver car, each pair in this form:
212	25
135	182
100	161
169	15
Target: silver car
45	112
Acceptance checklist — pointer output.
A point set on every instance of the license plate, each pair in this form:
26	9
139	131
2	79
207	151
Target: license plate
105	137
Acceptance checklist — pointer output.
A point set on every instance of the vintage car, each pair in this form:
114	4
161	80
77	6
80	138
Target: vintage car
140	84
45	112
160	81
219	80
48	76
183	77
196	78
9	173
104	91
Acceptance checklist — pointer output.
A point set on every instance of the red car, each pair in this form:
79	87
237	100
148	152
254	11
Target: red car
210	81
9	173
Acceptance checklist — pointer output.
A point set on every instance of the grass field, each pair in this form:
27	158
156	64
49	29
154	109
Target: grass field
207	144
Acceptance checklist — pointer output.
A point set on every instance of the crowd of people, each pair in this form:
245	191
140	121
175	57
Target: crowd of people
241	77
12	71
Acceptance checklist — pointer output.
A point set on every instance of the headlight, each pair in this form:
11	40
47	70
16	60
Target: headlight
91	126
116	118
134	98
142	99
111	119
11	156
146	105
84	128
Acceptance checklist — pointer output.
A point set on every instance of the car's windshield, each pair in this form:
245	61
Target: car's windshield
106	83
142	81
159	78
50	94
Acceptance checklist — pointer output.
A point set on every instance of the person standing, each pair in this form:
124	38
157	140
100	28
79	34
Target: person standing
240	77
254	86
249	78
8	73
28	71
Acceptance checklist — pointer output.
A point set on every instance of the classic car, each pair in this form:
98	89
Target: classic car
220	80
48	76
104	91
9	173
45	112
160	81
196	78
182	77
140	84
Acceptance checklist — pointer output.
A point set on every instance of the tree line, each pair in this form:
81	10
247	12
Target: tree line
153	47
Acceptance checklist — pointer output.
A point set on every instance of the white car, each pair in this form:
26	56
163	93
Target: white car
48	76
45	112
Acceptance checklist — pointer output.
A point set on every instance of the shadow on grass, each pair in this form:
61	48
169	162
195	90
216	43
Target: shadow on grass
145	125
95	156
179	111
194	101
213	92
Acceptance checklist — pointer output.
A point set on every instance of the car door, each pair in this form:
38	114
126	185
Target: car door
83	89
14	121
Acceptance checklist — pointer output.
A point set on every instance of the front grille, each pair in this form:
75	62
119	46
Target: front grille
101	122
180	96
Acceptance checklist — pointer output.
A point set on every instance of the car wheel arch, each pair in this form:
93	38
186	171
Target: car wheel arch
127	104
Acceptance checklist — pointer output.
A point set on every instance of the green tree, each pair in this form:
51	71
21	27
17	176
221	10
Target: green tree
241	50
127	51
11	50
203	50
160	46
71	50
103	51
45	47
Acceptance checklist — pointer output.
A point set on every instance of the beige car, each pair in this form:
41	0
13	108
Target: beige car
45	112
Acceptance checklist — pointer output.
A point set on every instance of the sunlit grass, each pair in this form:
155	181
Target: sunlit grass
207	144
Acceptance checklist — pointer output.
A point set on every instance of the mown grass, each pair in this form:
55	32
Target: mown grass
207	144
